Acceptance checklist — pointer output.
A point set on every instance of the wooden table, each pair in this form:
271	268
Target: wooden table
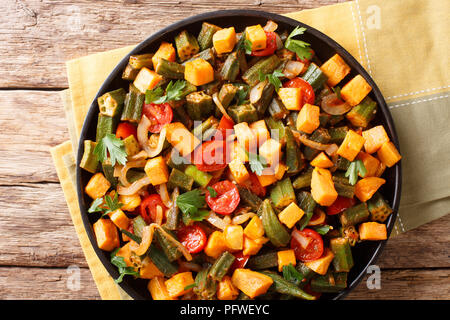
38	241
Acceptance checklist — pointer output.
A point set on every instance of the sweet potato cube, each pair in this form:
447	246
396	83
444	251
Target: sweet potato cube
97	186
372	231
224	40
260	130
234	237
198	72
148	269
291	98
252	246
125	253
158	289
131	202
106	234
322	161
355	90
291	215
226	290
321	265
388	154
366	188
271	151
157	171
322	187
257	36
237	152
245	136
370	163
238	171
175	285
165	51
267	178
216	244
285	258
146	80
380	170
335	69
280	170
374	138
181	138
308	118
250	282
351	145
120	219
254	229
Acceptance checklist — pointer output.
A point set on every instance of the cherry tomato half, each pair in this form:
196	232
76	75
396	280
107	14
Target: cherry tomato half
211	156
340	204
125	129
308	95
254	185
227	198
239	262
225	128
307	244
271	45
158	114
148	207
193	238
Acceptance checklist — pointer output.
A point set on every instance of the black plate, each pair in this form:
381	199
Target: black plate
364	253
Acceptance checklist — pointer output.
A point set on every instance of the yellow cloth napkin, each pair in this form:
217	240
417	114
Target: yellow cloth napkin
401	44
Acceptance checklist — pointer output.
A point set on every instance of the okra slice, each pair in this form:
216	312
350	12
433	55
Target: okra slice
363	113
199	105
170	69
89	162
205	37
230	68
343	259
354	215
277	109
186	44
134	102
111	103
181	180
264	66
227	94
243	113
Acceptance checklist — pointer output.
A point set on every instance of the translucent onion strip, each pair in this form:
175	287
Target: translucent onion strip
309	143
270	26
242	218
293	69
130	164
164	194
220	106
216	221
142	133
134	187
159	215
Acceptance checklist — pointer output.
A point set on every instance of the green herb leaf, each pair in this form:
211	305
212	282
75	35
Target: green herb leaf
189	203
190	286
112	145
153	95
301	48
273	78
174	92
354	168
257	162
337	91
248	46
122	267
95	206
105	205
199	215
305	219
132	236
212	192
323	229
292	275
241	96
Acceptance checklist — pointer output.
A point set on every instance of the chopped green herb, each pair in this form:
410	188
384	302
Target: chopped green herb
355	167
174	91
245	45
105	205
291	274
190	202
241	95
301	48
257	162
305	219
212	192
323	229
112	145
273	78
123	269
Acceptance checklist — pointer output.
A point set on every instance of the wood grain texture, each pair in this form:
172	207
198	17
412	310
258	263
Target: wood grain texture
59	30
44	283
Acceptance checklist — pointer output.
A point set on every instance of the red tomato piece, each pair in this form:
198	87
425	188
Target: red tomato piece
158	114
306	61
254	185
125	129
227	198
307	244
240	261
340	204
193	238
148	207
224	129
271	45
211	156
308	95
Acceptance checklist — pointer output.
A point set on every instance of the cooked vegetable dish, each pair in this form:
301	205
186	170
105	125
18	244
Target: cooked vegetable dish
237	166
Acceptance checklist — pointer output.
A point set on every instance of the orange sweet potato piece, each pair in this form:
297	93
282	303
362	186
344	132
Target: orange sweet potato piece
177	284
250	282
335	69
308	118
372	231
158	289
322	187
365	188
165	51
371	163
355	90
388	154
351	145
322	161
106	234
198	72
374	138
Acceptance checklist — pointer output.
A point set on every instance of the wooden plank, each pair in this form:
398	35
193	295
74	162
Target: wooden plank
44	283
37	231
61	29
31	122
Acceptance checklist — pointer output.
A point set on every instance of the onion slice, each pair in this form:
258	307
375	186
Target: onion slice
219	105
159	215
164	194
190	266
332	149
257	91
142	133
309	143
270	26
331	104
303	241
216	221
134	187
242	218
293	69
131	164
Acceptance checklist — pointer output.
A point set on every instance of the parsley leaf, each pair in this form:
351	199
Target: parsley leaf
241	95
112	145
95	206
245	44
105	205
174	91
212	192
257	162
301	48
273	78
132	236
120	263
355	167
323	229
292	275
189	203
